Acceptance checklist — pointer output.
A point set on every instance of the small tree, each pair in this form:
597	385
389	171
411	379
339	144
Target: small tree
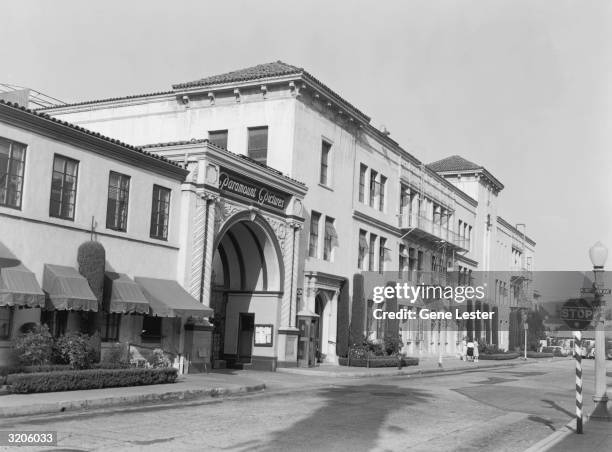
358	311
91	258
342	324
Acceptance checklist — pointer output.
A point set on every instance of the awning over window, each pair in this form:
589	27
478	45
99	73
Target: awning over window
68	289
386	252
363	245
330	231
18	285
122	295
168	299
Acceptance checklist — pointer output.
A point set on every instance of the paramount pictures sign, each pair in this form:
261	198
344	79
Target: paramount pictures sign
256	192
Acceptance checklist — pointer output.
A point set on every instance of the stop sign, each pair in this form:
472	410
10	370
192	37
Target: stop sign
577	313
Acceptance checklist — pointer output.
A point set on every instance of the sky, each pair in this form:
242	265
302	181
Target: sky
520	87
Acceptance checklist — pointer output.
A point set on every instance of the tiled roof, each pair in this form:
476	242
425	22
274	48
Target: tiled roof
88	132
242	156
276	69
458	163
263	71
453	163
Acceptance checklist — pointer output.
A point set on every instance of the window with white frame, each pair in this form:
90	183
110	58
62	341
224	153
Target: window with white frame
362	249
362	178
324	177
12	166
63	187
372	252
330	239
258	144
313	242
117	204
160	213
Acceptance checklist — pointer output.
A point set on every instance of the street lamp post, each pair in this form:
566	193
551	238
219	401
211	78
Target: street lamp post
598	254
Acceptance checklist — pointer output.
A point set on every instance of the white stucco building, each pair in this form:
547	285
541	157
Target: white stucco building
369	206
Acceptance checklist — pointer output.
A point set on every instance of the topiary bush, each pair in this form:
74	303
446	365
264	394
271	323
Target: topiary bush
34	347
76	350
91	258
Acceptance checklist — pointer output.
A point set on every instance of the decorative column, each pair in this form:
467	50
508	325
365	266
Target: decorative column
288	332
197	250
211	200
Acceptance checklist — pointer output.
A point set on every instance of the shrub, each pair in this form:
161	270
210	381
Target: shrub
34	347
488	349
499	356
158	359
384	361
88	379
392	345
75	349
116	354
539	355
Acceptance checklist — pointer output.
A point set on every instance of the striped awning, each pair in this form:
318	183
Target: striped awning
122	295
18	285
168	299
68	289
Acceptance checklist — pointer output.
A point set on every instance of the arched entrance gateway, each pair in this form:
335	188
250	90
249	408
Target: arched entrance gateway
246	292
239	255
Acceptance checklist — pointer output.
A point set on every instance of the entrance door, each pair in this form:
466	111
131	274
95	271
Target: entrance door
246	330
317	328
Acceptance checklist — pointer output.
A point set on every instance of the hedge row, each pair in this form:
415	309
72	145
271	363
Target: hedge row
384	361
73	380
18	369
540	355
499	356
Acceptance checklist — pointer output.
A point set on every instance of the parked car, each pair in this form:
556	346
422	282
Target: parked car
556	350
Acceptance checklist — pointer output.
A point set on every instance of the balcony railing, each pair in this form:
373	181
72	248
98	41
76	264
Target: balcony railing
416	221
418	277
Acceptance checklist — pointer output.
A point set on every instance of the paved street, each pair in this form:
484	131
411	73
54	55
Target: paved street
498	409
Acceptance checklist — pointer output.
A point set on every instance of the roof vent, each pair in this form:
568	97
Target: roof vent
384	130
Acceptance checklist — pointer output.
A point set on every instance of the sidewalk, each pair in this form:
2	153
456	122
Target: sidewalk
188	387
427	365
596	437
224	383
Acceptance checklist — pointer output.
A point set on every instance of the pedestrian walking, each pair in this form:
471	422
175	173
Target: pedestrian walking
463	355
476	353
470	350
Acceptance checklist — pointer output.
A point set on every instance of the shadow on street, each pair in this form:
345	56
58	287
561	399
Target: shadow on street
367	406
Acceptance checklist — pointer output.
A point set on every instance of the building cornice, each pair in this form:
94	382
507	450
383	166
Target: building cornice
513	229
466	260
237	162
376	223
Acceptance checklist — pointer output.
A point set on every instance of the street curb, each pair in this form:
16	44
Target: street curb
415	372
136	399
554	438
